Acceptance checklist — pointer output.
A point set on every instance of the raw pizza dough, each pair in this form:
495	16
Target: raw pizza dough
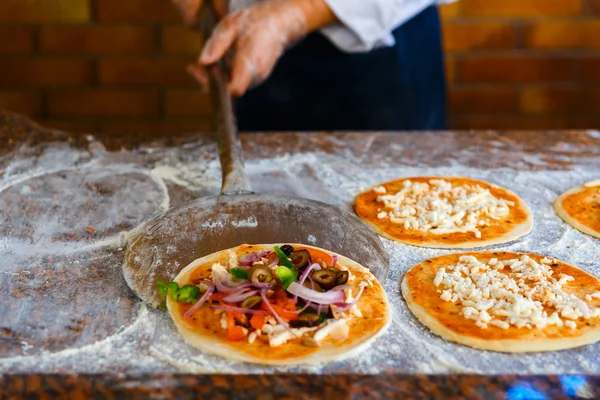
580	208
373	304
518	223
444	319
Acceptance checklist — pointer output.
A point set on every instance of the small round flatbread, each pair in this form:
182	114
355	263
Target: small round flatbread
580	208
445	319
203	329
516	224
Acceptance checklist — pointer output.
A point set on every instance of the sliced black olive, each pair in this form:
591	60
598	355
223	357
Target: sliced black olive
287	249
309	284
260	274
326	278
342	278
300	258
306	321
251	302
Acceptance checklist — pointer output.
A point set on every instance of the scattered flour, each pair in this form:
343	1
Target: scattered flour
151	344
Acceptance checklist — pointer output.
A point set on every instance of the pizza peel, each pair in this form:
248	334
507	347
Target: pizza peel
161	247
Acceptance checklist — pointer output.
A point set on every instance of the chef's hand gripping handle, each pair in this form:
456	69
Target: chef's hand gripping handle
235	181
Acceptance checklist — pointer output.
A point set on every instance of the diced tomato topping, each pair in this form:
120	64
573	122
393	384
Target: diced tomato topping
257	321
240	317
282	312
235	332
218	296
318	256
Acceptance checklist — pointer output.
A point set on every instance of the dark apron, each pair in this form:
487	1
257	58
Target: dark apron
316	87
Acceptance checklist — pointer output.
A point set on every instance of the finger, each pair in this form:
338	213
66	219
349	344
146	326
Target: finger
200	75
221	40
189	11
242	75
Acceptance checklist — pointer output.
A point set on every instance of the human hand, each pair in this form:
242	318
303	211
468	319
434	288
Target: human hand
259	35
189	10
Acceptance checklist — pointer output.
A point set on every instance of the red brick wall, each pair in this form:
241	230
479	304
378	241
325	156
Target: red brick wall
531	64
118	65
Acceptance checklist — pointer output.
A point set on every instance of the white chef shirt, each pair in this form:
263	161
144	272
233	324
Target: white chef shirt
364	24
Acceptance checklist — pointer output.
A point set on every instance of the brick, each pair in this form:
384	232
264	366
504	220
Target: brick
592	7
72	126
521	8
188	102
136	11
96	39
144	71
100	103
482	100
559	100
28	103
563	35
16	40
181	40
585	121
516	69
508	121
477	36
450	66
34	11
590	69
45	72
157	127
450	11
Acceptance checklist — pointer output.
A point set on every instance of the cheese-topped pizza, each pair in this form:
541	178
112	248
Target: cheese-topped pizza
277	304
508	302
444	212
580	208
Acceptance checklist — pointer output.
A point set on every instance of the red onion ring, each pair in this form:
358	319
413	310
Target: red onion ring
253	257
346	306
303	278
239	309
342	287
307	271
307	294
241	296
275	315
225	287
202	300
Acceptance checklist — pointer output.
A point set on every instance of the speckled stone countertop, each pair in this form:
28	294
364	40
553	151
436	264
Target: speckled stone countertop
70	326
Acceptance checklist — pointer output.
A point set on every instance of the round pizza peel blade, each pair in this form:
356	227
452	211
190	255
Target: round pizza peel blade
161	247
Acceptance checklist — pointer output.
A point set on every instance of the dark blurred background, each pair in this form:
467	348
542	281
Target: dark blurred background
118	65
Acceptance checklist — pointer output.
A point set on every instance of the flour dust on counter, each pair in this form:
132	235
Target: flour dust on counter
332	168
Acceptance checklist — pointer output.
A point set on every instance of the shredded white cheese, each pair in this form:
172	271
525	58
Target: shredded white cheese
440	207
517	292
380	190
279	335
337	329
233	260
